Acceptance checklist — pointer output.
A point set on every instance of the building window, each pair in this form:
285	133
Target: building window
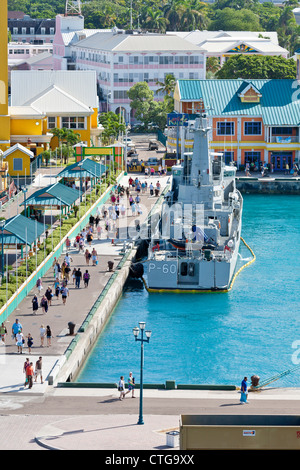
51	122
225	128
43	30
252	128
73	122
282	131
15	30
31	30
252	157
18	164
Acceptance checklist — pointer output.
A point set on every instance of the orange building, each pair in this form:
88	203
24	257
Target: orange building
252	121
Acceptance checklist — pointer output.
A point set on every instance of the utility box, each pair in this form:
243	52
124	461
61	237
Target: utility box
246	432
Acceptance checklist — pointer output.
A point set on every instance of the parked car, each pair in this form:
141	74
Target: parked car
152	161
153	145
127	141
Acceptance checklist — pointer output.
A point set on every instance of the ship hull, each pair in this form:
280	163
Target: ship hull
184	274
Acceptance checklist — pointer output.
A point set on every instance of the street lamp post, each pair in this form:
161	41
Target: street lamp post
2	224
24	189
142	340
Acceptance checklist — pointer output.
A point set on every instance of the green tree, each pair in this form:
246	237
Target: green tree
155	21
212	66
168	86
113	125
66	139
147	110
234	20
141	99
258	67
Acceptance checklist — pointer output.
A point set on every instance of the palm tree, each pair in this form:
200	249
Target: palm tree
173	11
168	86
212	66
194	15
155	20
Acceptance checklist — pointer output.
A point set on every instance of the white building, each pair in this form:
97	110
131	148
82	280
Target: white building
122	59
223	44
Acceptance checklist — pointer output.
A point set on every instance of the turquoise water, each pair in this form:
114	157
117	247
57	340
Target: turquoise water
217	338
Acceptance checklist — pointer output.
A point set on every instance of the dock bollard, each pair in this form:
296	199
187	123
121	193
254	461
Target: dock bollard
71	327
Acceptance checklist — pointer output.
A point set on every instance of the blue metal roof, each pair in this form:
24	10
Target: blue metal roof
20	229
86	168
279	103
54	195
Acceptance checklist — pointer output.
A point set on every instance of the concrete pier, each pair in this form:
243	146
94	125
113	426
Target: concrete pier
63	359
279	184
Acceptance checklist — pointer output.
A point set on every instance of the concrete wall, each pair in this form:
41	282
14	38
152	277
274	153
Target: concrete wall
67	369
268	185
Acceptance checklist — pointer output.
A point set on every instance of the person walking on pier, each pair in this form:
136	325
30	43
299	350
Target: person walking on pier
44	304
29	342
48	335
35	304
30	373
64	294
42	335
88	256
86	278
16	327
94	257
26	364
244	392
131	385
78	277
49	295
3	332
121	387
56	288
39	369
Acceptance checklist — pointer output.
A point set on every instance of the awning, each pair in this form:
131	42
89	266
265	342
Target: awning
21	230
86	168
56	194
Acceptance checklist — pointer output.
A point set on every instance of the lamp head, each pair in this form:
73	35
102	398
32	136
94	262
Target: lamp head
136	331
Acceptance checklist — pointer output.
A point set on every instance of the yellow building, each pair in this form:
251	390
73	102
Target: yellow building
18	159
4	116
42	100
61	99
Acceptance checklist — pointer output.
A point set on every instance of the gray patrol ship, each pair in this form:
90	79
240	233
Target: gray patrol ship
196	241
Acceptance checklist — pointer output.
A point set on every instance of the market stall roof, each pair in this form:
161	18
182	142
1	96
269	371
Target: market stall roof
54	195
86	168
21	230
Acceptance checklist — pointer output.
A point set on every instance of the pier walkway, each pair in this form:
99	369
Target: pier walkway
78	304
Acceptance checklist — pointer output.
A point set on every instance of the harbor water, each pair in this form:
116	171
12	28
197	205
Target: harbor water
221	337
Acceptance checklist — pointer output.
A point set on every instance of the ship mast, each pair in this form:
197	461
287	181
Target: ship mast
201	165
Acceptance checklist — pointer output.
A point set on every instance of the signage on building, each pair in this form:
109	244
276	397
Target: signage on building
177	119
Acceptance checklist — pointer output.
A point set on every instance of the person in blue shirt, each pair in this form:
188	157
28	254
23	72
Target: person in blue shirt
244	391
16	328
